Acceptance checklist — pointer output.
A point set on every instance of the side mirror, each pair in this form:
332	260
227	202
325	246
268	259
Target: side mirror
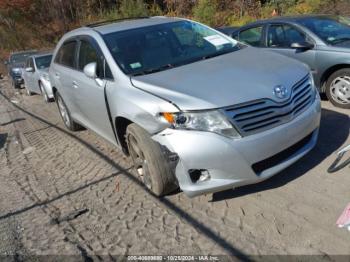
302	45
30	69
90	70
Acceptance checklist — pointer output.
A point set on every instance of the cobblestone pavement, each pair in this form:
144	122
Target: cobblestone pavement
73	193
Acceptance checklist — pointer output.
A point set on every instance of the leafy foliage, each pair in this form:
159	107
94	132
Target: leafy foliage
27	24
133	8
205	11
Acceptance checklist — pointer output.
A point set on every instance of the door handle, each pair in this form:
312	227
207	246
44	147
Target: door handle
57	75
75	84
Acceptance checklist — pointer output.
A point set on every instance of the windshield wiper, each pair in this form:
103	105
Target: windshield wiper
340	40
154	70
217	54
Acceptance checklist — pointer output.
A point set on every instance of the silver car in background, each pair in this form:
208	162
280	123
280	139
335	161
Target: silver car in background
36	76
192	107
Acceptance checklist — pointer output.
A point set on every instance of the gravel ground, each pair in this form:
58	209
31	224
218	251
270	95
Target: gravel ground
64	193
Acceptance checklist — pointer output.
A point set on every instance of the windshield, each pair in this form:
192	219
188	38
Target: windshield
20	58
152	49
332	30
43	62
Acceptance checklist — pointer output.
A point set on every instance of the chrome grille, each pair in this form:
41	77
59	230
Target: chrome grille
260	115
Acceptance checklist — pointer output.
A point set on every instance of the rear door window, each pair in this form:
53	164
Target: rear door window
66	54
252	36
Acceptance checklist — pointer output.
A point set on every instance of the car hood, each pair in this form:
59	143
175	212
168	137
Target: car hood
226	80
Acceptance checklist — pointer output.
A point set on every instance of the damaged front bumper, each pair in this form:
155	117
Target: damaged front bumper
209	163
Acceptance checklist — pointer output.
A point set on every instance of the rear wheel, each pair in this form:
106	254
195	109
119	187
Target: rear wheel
150	164
65	114
338	88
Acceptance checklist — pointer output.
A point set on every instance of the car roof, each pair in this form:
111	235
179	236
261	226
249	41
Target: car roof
294	18
132	24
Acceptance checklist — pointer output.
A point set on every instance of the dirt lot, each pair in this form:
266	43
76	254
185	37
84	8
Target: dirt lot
72	193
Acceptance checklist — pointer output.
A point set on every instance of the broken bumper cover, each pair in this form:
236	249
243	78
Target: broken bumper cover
237	162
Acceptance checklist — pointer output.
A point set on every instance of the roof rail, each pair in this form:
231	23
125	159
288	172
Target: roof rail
115	20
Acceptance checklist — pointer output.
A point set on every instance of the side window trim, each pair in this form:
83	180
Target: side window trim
265	36
34	64
99	52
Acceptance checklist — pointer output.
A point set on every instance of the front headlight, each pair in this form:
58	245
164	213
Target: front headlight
46	77
209	121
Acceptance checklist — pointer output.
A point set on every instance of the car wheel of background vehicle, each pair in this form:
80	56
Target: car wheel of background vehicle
65	114
150	164
338	88
44	94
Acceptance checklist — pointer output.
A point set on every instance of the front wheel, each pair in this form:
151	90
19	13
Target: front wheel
150	164
338	88
65	114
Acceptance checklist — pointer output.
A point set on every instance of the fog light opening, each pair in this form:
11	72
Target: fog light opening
199	175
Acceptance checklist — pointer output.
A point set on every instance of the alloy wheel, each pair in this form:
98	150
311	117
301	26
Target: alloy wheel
140	162
340	90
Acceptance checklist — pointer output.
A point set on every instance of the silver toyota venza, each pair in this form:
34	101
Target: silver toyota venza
192	107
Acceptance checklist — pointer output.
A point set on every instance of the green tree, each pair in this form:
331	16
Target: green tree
205	10
133	8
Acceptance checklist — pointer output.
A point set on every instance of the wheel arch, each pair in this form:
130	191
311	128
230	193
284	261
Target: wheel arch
329	72
54	91
121	124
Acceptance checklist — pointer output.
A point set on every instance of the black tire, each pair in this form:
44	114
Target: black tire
156	174
331	88
65	114
44	94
